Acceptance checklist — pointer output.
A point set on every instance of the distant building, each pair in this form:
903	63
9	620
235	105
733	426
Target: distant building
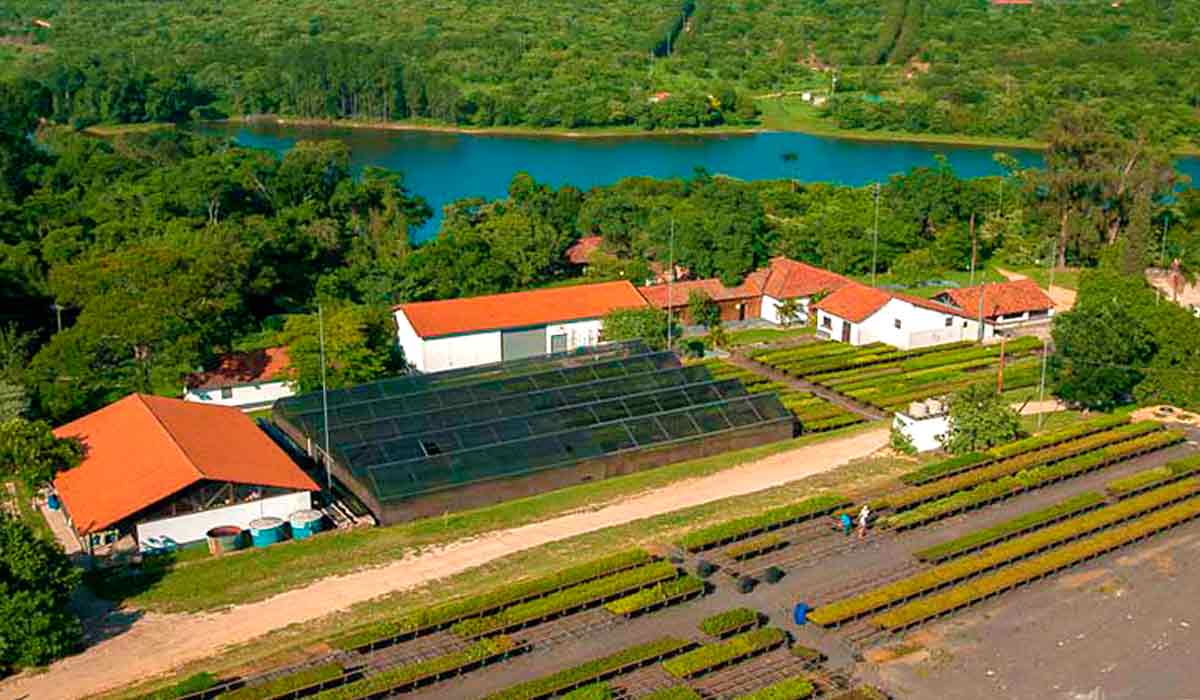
859	315
163	468
1004	305
250	381
456	333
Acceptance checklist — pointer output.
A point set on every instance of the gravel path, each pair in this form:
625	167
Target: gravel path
156	644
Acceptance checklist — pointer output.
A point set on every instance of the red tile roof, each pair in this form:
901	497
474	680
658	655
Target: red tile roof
854	302
1001	299
581	252
677	294
143	449
241	368
791	279
432	319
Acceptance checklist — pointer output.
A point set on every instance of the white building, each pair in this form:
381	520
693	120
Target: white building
926	424
160	467
250	381
442	335
1004	305
788	280
859	315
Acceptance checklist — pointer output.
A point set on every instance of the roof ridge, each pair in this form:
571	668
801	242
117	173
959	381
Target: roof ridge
171	436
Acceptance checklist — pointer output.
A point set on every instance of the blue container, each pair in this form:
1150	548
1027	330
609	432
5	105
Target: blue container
266	531
305	523
52	502
800	614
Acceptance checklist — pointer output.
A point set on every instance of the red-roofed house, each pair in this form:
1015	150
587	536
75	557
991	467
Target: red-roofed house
797	281
859	315
441	335
250	381
163	468
1004	304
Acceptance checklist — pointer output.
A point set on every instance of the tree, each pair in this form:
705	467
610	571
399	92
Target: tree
30	451
980	418
14	401
647	324
36	583
702	310
360	346
789	312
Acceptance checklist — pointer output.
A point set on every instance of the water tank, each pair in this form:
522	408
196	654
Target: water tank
918	410
52	501
305	523
266	531
226	538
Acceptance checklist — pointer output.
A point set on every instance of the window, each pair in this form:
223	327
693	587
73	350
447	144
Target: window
227	392
949	321
897	322
827	322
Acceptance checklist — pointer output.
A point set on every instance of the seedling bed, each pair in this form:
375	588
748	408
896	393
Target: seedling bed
704	539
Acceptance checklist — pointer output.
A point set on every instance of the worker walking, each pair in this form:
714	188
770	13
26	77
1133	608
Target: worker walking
847	523
864	517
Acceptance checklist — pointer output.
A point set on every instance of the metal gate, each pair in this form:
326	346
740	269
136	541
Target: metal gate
515	345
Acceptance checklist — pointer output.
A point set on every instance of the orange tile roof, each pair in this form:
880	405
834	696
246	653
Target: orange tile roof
791	279
143	449
677	294
1001	299
581	252
854	302
432	319
241	368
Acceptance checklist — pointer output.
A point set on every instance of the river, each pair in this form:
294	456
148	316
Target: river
443	167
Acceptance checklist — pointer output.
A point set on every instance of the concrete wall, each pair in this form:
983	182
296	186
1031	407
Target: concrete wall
580	334
770	310
485	493
194	526
919	327
473	349
250	397
925	434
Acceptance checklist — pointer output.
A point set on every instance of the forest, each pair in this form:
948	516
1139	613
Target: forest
922	66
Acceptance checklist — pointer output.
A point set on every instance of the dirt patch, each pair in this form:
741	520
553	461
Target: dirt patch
1083	579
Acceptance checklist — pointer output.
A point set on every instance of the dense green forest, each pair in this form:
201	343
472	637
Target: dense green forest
925	66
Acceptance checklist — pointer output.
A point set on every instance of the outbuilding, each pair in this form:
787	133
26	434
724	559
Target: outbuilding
166	469
456	333
251	381
790	280
1005	304
860	315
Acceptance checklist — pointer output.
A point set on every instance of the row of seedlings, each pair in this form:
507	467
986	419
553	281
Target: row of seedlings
731	531
1153	478
1003	554
985	587
815	414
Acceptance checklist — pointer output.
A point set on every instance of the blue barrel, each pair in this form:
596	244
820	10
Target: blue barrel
52	502
266	531
305	523
800	614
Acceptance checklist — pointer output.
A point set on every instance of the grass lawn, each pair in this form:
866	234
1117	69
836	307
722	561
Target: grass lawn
28	513
299	641
1067	277
962	279
118	129
1050	421
756	336
207	583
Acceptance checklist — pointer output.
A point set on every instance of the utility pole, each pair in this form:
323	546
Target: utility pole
1045	344
671	289
1162	256
58	309
324	399
1000	375
982	295
875	243
974	248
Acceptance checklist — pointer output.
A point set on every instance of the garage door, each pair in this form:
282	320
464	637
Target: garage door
528	343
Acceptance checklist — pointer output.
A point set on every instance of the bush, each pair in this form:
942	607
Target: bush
745	584
773	575
37	580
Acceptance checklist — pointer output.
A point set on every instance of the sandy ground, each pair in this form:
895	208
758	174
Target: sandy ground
156	644
1064	299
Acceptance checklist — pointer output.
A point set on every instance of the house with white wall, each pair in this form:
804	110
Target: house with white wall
250	381
859	315
455	333
792	280
1004	305
157	467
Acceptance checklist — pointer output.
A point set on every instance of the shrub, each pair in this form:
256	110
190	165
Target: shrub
725	622
710	656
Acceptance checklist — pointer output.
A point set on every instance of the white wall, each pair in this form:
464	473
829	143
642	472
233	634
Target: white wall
472	349
579	334
925	434
194	526
1021	319
248	397
770	310
834	331
919	327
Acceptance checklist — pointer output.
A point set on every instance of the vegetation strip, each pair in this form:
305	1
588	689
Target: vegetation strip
998	555
679	692
1012	528
797	688
595	691
595	670
446	614
729	531
754	547
723	623
932	491
305	678
413	675
712	656
1151	478
955	465
660	595
577	597
1033	569
862	692
1034	478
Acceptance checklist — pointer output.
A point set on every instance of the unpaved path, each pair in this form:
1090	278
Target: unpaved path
1063	298
159	643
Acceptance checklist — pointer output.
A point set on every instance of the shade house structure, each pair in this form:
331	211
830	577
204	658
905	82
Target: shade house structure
423	445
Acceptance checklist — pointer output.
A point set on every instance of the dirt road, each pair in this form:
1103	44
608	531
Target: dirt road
157	644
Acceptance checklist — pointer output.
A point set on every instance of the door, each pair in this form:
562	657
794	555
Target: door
845	331
515	345
558	343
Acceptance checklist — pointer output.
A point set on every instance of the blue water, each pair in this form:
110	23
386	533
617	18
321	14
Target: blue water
446	167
